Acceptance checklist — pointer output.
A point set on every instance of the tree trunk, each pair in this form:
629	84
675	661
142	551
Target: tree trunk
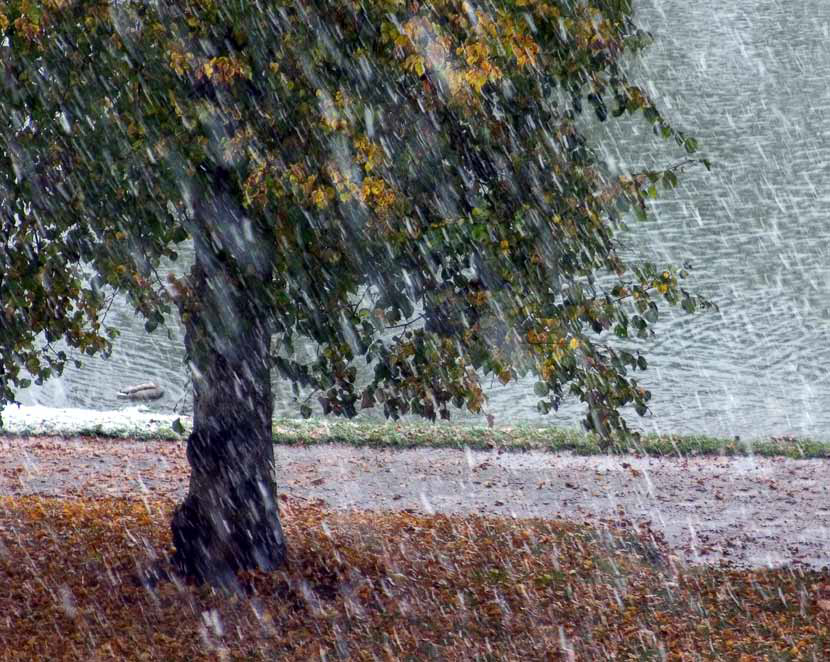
229	520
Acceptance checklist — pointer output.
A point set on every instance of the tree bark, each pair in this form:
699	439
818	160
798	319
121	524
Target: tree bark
229	520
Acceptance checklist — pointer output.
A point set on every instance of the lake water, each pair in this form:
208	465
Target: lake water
751	80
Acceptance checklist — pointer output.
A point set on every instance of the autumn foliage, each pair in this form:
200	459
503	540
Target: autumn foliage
353	168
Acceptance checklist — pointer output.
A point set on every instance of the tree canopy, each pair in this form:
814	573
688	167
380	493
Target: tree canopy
413	165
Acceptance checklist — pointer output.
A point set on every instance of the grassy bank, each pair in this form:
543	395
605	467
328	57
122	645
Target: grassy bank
529	437
520	437
365	586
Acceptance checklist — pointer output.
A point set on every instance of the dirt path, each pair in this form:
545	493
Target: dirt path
751	511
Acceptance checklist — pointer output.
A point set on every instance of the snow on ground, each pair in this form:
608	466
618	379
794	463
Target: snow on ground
133	421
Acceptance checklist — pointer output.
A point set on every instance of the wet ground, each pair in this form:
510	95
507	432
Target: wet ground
745	510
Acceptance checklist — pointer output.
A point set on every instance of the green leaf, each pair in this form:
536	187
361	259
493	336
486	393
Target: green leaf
153	321
177	426
541	389
305	411
479	232
627	357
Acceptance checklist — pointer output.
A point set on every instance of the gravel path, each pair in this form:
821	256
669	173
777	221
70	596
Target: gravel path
747	510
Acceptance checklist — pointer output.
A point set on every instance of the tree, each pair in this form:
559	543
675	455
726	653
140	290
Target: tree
342	168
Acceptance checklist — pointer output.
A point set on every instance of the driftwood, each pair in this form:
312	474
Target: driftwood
147	391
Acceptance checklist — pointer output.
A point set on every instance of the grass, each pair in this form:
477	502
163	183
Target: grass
521	437
394	586
525	437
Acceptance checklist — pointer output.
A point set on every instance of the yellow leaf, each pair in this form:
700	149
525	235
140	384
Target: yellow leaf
320	198
415	63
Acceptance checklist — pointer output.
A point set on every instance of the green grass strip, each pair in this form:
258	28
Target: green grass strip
521	437
525	437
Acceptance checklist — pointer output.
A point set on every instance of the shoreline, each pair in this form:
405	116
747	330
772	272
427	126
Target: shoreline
139	423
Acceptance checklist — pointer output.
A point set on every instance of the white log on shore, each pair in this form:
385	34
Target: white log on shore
147	391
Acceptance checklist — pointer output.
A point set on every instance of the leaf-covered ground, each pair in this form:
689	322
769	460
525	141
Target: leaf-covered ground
366	586
753	511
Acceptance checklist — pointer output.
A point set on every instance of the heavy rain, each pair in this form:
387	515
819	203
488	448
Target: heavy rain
460	238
